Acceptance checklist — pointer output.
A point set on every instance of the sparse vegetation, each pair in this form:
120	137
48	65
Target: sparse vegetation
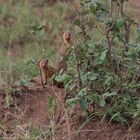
103	75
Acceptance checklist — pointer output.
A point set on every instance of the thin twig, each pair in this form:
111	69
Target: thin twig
126	26
117	14
67	116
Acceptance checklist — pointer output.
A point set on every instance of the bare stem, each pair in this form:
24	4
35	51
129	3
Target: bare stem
111	8
40	71
109	40
78	69
41	77
126	26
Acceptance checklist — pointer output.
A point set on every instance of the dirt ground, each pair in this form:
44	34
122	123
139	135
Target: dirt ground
31	110
134	5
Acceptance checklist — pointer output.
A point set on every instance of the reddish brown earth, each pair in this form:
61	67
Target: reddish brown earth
134	9
30	110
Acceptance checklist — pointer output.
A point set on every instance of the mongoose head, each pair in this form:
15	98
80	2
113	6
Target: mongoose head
67	37
43	63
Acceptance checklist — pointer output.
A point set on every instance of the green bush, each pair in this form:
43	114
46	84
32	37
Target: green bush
107	66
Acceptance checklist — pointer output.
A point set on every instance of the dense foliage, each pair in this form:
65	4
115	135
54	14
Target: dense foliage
105	72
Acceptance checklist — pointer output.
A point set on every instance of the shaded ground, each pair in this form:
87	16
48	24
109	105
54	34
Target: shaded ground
31	111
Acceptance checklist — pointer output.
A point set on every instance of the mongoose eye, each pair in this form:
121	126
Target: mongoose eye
46	60
67	35
43	63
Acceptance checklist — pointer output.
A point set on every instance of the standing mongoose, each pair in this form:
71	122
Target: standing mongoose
49	72
62	63
46	69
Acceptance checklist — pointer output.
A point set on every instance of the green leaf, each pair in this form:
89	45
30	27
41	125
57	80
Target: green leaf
108	81
82	92
92	76
103	55
138	31
120	37
91	50
36	132
63	78
138	34
92	9
24	83
51	103
84	77
88	119
107	94
72	101
117	117
95	98
76	22
84	105
120	23
102	103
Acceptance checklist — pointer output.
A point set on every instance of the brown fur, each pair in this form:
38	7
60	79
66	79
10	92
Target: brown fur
62	63
46	69
49	72
66	43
